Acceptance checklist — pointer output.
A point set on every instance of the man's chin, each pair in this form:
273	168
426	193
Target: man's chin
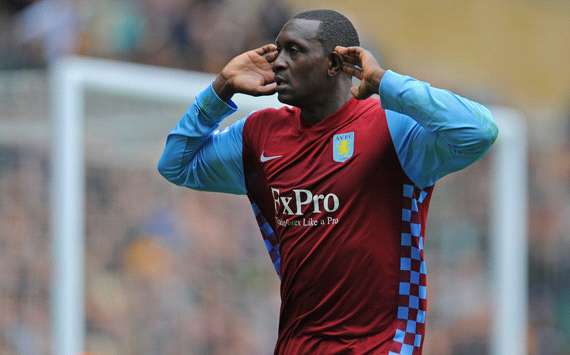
285	98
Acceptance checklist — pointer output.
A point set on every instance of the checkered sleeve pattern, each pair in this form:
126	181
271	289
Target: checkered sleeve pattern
269	238
412	304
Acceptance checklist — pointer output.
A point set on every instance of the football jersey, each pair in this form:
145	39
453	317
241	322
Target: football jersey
341	204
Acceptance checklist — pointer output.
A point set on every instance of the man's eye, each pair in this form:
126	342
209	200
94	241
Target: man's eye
293	50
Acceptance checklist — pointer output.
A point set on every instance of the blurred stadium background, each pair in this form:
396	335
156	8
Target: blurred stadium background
171	271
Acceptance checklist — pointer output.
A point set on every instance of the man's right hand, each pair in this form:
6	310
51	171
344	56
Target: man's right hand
249	73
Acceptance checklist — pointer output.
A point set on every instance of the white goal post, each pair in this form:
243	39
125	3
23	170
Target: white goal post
71	76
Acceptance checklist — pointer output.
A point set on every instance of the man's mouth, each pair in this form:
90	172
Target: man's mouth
280	81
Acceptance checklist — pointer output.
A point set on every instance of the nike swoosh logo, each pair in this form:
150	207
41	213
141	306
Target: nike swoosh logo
264	158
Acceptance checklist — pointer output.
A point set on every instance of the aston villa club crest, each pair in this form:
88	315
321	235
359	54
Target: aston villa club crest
343	146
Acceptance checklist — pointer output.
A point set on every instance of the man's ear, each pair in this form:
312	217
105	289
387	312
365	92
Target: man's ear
335	64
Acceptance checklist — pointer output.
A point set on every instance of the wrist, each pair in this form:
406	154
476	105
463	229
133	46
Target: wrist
223	88
377	79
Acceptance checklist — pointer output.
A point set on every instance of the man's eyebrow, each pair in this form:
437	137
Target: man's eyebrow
291	42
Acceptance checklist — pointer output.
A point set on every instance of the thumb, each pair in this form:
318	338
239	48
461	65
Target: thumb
268	89
359	92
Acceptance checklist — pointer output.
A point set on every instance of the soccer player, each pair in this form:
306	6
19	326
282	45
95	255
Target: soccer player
339	181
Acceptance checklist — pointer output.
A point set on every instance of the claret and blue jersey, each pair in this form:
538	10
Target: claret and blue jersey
341	204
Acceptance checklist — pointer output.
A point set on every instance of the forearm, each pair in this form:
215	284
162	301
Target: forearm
465	126
193	130
199	157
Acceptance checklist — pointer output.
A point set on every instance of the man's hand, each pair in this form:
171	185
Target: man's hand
249	73
360	63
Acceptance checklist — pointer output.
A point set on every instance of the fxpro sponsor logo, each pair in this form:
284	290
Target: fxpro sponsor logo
302	202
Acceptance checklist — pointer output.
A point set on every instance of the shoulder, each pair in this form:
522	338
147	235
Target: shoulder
263	126
370	108
269	119
370	105
369	112
271	114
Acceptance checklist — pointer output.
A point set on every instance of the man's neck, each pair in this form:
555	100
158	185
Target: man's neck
321	109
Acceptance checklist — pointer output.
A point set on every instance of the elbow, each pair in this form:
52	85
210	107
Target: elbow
489	130
178	174
494	133
162	169
484	135
169	173
480	137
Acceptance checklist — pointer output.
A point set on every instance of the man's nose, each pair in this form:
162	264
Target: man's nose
279	63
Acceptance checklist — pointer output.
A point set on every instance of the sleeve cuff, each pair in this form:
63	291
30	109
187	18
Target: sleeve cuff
214	108
390	87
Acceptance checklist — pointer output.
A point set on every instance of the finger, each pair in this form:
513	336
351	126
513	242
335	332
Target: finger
349	51
268	89
268	48
351	60
340	50
269	78
359	92
354	91
271	56
352	70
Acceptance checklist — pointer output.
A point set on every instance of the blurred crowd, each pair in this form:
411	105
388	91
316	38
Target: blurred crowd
191	34
171	271
166	273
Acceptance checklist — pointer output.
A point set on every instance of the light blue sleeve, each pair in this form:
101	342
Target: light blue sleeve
435	132
199	156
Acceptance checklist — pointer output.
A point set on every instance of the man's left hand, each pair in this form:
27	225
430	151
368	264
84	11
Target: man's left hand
360	63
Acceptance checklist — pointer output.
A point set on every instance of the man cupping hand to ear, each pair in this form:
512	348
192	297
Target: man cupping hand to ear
360	63
249	73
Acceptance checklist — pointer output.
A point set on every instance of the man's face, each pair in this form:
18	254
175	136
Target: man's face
301	66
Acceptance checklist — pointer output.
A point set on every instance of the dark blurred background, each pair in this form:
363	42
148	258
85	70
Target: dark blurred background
171	271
